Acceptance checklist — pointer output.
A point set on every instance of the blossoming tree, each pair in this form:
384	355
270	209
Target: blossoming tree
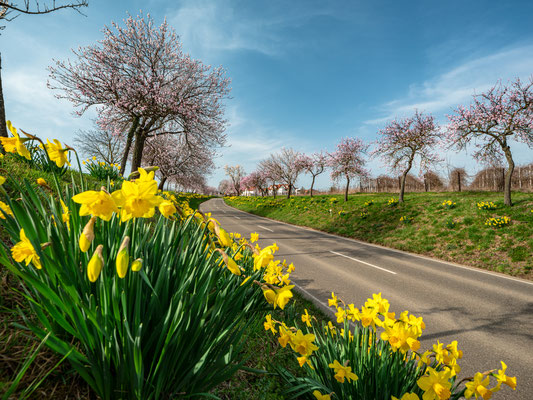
255	181
236	174
178	159
496	117
287	165
143	83
403	143
314	164
347	161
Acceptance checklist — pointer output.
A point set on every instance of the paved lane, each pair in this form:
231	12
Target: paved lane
489	314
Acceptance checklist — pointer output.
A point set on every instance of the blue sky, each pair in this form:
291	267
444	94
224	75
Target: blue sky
304	73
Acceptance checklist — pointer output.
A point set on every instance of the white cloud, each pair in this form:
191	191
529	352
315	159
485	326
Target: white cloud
443	93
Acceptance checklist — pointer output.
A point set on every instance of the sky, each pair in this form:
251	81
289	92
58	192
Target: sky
304	73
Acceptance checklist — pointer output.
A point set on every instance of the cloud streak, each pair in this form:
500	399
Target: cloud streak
443	93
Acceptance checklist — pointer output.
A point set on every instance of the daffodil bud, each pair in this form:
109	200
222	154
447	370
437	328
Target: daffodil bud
95	264
123	258
87	235
41	182
137	265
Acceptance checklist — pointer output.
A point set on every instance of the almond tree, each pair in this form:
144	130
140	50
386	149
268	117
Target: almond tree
143	84
496	117
235	173
177	158
256	180
347	161
314	165
287	166
271	172
404	143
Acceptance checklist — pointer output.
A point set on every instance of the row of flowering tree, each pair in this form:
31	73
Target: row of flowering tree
502	114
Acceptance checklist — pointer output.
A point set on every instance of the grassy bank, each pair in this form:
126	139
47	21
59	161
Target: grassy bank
423	224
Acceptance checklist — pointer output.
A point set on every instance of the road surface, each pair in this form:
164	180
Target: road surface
489	314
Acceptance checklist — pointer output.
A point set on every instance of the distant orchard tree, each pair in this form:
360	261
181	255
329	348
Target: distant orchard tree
403	143
347	161
314	164
101	144
225	187
255	181
458	179
143	84
495	117
432	181
270	170
287	166
178	159
236	174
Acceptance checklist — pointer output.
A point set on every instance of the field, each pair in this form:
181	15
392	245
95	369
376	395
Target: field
424	224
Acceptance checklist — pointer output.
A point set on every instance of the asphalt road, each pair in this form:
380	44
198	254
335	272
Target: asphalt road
489	314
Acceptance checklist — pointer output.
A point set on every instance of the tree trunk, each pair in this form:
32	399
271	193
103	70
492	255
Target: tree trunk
136	160
400	183
426	189
3	127
129	139
162	183
347	186
289	190
508	176
402	186
312	184
459	180
274	189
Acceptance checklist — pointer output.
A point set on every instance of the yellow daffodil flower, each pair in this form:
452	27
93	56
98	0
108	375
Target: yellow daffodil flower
502	378
137	199
435	384
15	144
254	237
269	324
99	204
407	396
342	372
2	180
285	335
5	210
57	153
278	297
306	318
478	387
24	251
333	302
167	208
320	396
65	216
303	344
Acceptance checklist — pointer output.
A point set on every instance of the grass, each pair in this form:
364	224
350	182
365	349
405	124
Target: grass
457	234
263	350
